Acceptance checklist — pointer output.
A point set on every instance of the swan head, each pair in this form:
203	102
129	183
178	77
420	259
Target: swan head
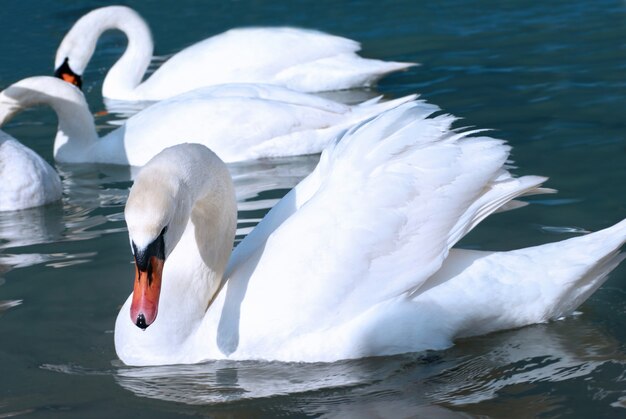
156	214
65	72
32	91
76	50
79	44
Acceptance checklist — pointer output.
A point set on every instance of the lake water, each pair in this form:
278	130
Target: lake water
549	77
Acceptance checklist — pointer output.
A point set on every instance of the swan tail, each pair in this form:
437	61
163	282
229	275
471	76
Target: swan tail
578	266
373	70
502	290
338	72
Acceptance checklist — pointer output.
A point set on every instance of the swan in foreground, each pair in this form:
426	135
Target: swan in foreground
300	59
355	261
26	180
238	122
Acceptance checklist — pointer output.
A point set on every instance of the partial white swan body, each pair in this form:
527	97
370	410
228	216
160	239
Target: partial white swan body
26	180
355	261
238	122
304	60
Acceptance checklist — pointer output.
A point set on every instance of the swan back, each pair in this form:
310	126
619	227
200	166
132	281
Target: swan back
267	92
301	59
241	122
26	180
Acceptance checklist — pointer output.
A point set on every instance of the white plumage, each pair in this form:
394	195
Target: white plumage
355	261
26	180
304	60
239	122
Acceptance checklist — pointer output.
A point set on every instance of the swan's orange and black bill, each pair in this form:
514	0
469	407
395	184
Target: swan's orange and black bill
149	262
146	292
64	72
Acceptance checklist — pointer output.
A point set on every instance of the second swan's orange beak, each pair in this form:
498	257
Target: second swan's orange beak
64	72
70	78
146	292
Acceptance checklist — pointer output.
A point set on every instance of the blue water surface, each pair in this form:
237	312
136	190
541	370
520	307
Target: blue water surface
548	77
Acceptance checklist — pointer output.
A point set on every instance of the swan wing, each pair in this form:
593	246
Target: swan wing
477	292
263	91
230	126
376	220
266	55
242	124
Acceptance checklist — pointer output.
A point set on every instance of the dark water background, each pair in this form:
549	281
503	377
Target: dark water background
549	77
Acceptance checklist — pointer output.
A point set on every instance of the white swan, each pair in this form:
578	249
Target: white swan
238	122
352	262
26	180
304	60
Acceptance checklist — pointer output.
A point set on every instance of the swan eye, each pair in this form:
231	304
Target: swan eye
64	72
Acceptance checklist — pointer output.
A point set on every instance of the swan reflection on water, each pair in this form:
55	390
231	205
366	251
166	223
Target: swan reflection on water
472	372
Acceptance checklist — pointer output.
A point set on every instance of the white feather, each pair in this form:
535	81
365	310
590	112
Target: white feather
26	180
238	122
355	261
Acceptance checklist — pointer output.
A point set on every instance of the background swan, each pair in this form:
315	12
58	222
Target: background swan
318	279
300	59
26	180
238	122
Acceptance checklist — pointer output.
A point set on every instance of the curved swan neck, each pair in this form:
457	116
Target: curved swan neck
188	190
76	130
213	220
80	42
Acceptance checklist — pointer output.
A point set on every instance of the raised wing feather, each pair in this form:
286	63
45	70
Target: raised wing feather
392	197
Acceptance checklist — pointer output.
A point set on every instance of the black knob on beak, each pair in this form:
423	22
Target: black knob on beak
141	322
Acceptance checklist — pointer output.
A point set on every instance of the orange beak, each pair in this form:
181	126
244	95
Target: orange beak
70	78
146	292
65	73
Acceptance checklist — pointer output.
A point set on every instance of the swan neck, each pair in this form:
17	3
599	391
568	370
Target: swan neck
76	131
214	220
127	73
80	43
201	256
